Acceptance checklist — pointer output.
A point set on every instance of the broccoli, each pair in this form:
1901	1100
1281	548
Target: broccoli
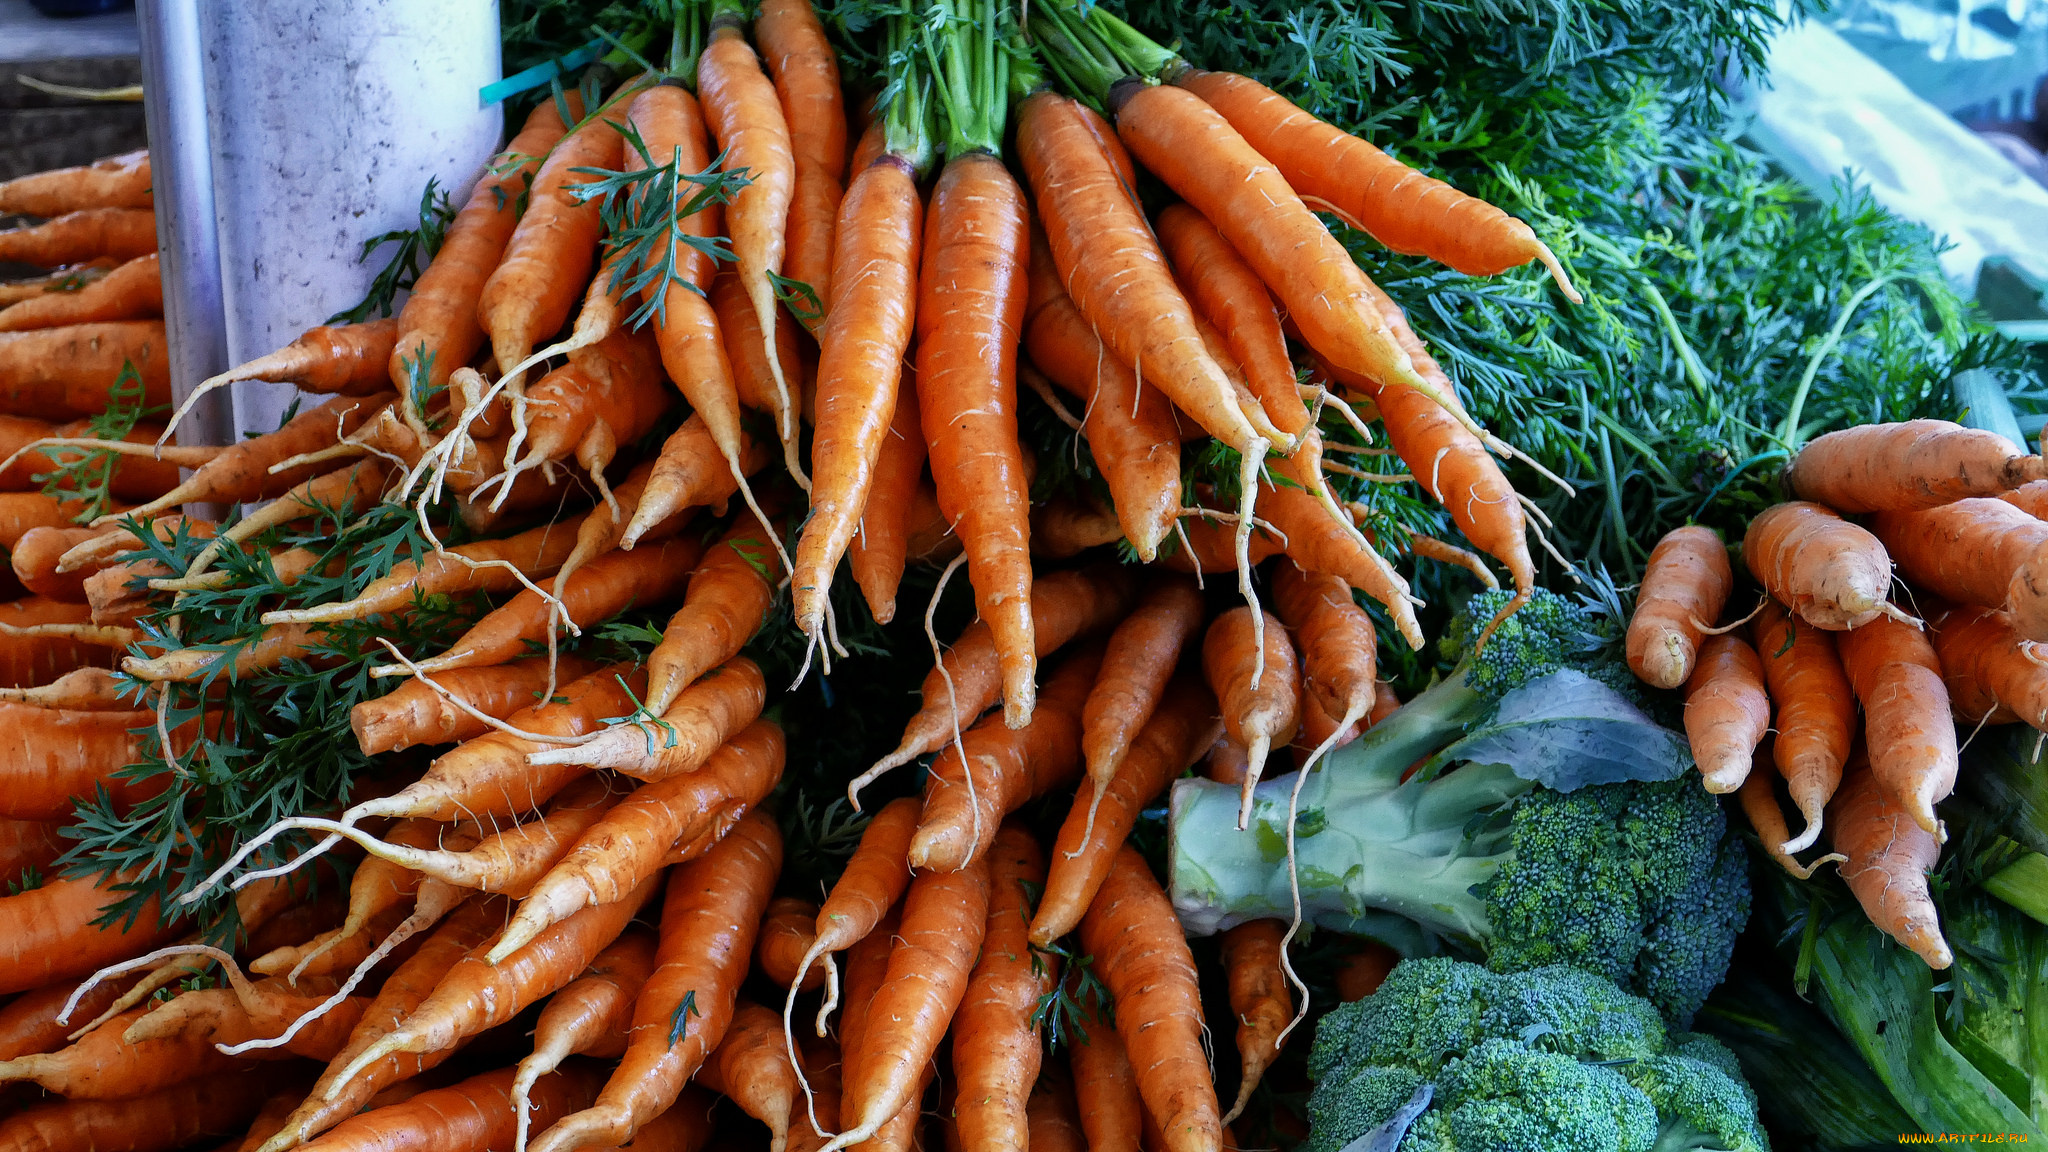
1555	1059
1637	879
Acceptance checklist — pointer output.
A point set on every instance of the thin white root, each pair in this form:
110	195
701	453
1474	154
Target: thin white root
1248	483
1352	716
418	922
249	849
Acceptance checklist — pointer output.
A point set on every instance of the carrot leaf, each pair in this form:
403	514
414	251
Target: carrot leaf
679	1024
416	248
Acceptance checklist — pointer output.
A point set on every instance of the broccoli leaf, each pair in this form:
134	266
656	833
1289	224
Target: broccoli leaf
1566	730
1388	1136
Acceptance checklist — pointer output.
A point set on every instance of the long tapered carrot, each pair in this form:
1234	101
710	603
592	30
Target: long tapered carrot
1889	855
1727	711
1142	957
631	842
241	474
861	352
1908	729
476	1115
1258	998
873	881
967	682
788	930
80	690
1140	659
1759	799
1907	466
703	717
995	769
51	934
689	472
805	70
135	477
996	1049
61	373
708	920
161	1121
1832	573
1990	676
438	327
1131	430
488	566
1402	208
134	291
1816	712
751	1067
341	359
1974	551
414	713
1336	639
728	597
115	182
88	233
29	1023
103	1065
882	545
1685	583
1318	542
589	1017
1105	1085
1226	292
379	889
1260	712
1052	1118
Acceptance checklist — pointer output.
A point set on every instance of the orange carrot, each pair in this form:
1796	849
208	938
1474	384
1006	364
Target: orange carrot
1105	1085
689	472
1260	713
1336	640
1066	527
1142	654
241	474
1318	542
1907	727
1207	546
50	933
728	597
1990	676
488	566
115	182
589	1017
610	393
26	844
882	545
1727	711
102	1065
820	1060
377	895
1360	973
806	74
59	373
1685	583
751	1067
476	1115
134	291
874	879
1816	712
1759	799
1142	957
866	966
629	845
2031	498
708	920
997	1049
344	359
29	1024
861	353
1974	552
1227	293
747	346
1052	1118
788	930
88	233
79	690
27	658
704	716
1258	998
1907	466
159	1121
34	560
413	713
995	769
1339	173
1889	855
1832	573
53	758
1177	733
69	278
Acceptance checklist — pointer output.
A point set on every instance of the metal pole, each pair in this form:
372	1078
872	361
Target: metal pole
174	107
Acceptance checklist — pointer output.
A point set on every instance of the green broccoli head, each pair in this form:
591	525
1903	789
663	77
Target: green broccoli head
1640	882
1552	1058
1548	633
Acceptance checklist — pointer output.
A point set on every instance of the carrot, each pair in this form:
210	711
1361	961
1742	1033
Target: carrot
728	597
2031	498
609	393
1337	643
377	892
747	346
1105	1085
69	278
867	966
1142	957
123	233
134	477
241	474
1052	1118
872	883
1131	431
115	182
996	1046
489	566
1140	659
1907	726
820	1064
1685	584
476	1115
1759	798
49	932
1907	466
1259	714
1360	973
861	352
438	328
751	1068
134	291
1816	711
1889	855
995	769
223	1020
1832	573
81	690
1227	293
103	1065
34	560
53	758
966	682
1974	551
945	915
1370	190
27	658
271	648
788	930
1320	543
1989	674
159	1121
1207	545
689	472
59	373
1727	711
700	721
1258	998
630	843
342	359
1177	733
28	844
590	1017
413	713
882	545
708	920
29	1023
806	73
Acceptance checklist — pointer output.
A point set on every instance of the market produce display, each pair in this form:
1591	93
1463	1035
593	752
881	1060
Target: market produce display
667	685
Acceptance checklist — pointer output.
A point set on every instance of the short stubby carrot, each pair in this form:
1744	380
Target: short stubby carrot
1142	957
1685	584
1889	856
1832	573
1908	728
115	182
997	1048
1990	676
970	311
414	713
788	929
751	1068
882	546
1816	712
1320	542
1727	711
1907	466
1975	551
1142	655
1260	714
689	472
62	373
1370	190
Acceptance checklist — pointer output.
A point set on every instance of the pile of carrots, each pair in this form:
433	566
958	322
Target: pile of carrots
1774	697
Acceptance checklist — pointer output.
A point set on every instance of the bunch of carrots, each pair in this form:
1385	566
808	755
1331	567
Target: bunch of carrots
1774	697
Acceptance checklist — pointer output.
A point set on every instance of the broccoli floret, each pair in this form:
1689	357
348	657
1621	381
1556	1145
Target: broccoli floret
1553	1059
1547	633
